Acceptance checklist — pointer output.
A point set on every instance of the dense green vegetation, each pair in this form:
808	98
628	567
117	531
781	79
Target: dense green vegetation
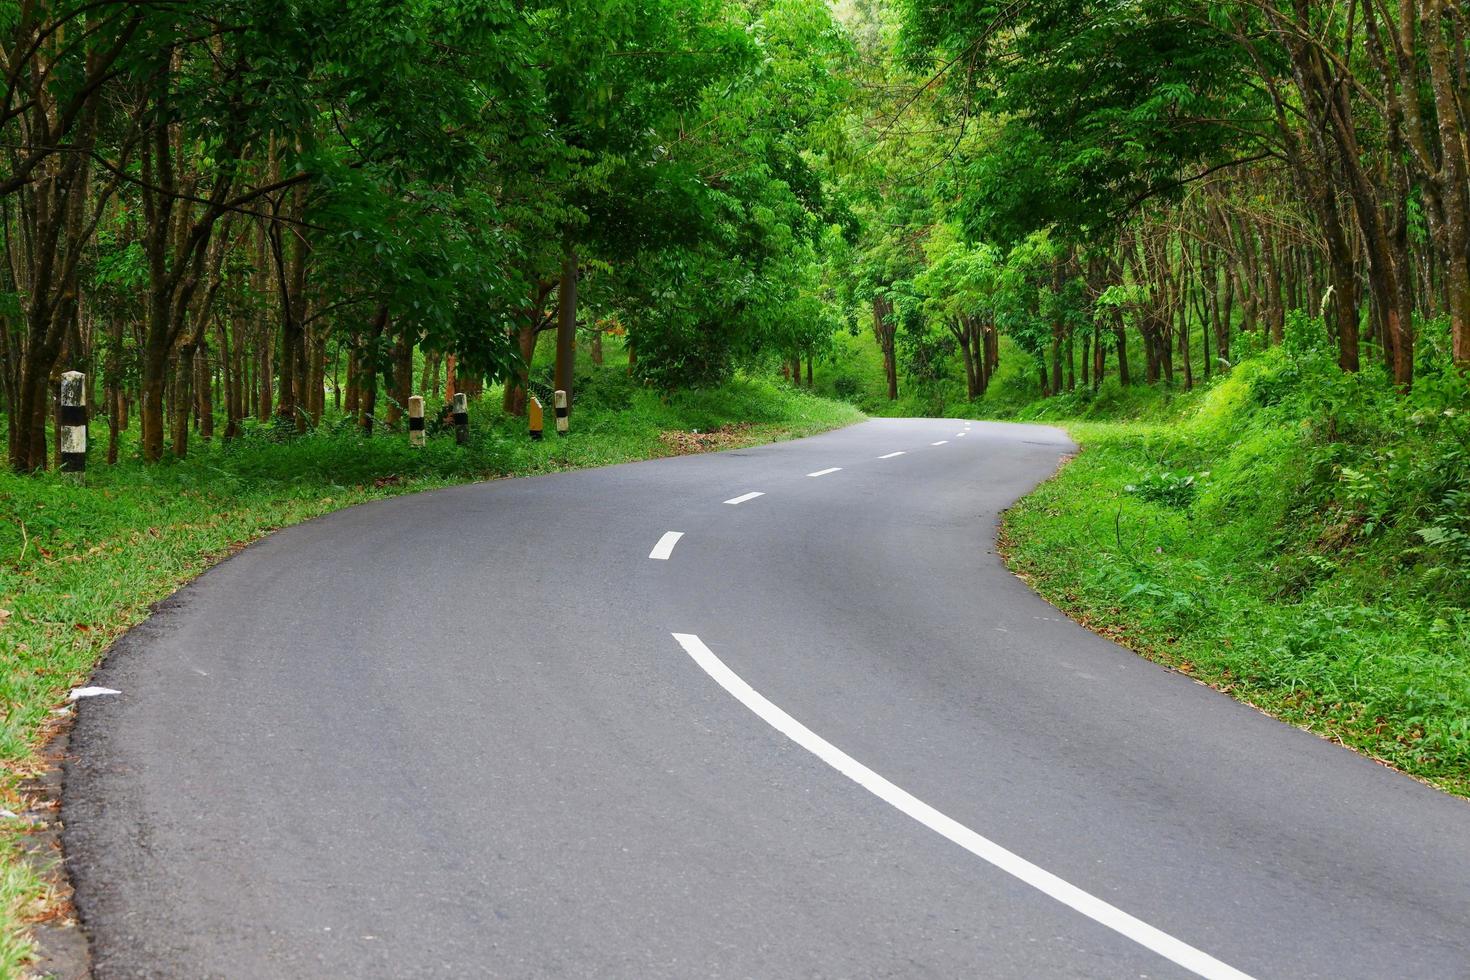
1291	534
1226	241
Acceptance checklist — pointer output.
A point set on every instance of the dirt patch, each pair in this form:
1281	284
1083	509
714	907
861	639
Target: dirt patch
725	437
61	945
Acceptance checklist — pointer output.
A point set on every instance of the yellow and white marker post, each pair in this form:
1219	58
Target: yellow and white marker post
562	422
533	413
461	418
415	420
74	424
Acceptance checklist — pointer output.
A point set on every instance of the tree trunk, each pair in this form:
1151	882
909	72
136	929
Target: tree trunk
883	330
116	404
264	372
354	386
204	392
965	336
400	381
183	403
368	372
566	325
1086	360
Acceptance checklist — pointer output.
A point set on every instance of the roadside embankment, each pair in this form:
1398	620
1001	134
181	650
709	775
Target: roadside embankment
1292	535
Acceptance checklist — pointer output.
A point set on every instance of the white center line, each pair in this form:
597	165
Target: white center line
939	443
891	455
987	850
746	496
960	435
665	546
830	469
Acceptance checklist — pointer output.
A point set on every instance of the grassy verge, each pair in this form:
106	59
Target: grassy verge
79	565
1297	538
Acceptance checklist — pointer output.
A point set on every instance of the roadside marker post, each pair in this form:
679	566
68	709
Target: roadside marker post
416	420
461	418
74	424
533	412
562	422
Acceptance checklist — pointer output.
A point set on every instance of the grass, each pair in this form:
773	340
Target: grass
81	564
1291	535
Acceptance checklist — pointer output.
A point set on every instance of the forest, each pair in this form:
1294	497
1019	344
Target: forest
231	211
1225	242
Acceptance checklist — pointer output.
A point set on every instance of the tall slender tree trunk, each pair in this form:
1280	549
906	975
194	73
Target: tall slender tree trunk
114	387
566	324
367	398
402	386
1120	340
883	330
204	391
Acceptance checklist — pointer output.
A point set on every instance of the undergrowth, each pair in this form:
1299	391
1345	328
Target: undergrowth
1294	535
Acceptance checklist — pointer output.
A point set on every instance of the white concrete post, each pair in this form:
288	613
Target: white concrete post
415	420
561	412
74	423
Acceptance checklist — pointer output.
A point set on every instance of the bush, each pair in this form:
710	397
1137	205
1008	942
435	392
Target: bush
1176	490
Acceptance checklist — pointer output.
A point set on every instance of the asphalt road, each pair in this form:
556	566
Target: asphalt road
481	732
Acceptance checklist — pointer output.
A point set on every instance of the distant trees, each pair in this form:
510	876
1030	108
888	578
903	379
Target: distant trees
1225	162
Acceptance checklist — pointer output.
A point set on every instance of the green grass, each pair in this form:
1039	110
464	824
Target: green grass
81	564
1274	536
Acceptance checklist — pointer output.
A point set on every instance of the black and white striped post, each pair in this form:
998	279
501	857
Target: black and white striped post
561	412
74	423
415	420
533	413
461	418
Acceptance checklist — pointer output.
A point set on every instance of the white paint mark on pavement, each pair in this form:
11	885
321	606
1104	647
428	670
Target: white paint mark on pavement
960	435
891	455
665	546
89	692
746	496
987	850
939	443
830	469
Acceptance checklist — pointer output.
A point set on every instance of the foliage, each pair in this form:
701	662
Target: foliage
1176	490
1299	575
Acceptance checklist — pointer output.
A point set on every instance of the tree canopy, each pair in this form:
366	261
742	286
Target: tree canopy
211	203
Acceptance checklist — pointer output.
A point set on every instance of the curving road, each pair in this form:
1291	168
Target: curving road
521	729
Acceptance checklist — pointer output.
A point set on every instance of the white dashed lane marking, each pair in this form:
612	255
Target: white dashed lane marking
891	455
746	496
830	469
665	546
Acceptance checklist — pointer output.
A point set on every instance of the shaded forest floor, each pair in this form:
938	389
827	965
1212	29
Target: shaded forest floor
1294	536
81	564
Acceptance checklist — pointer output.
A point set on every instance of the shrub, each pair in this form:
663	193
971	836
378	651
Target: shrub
1176	490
